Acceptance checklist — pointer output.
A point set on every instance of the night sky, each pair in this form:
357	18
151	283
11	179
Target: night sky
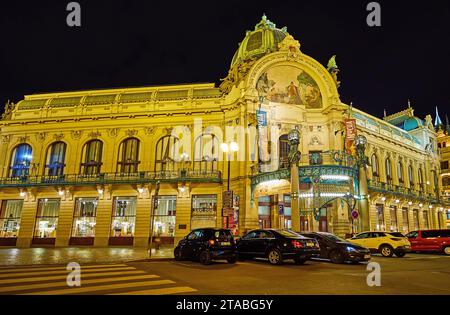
144	43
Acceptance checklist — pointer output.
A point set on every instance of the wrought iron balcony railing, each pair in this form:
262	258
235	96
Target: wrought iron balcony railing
113	178
401	191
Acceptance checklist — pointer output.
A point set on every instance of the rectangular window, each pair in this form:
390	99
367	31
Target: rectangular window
393	213
84	217
405	220
204	211
416	219
426	225
164	216
380	217
10	213
47	218
123	217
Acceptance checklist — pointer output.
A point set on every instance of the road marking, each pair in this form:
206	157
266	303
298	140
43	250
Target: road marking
37	279
64	283
83	270
172	290
56	268
75	290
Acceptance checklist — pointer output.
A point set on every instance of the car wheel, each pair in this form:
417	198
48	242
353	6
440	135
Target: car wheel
299	261
275	257
400	254
232	260
386	251
177	254
205	257
336	257
447	250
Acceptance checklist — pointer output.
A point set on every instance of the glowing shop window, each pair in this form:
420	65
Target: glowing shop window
124	217
84	217
165	217
10	213
47	218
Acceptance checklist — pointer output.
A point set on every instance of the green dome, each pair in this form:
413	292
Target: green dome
264	39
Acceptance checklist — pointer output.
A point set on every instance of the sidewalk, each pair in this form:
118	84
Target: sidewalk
81	255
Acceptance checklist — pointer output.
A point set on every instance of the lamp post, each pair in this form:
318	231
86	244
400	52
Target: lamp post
229	149
152	215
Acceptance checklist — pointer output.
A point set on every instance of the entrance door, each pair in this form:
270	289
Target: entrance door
323	220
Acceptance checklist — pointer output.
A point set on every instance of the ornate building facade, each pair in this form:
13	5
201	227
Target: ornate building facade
444	150
114	166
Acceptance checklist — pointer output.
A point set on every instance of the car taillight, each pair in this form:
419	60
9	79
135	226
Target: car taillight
212	242
297	244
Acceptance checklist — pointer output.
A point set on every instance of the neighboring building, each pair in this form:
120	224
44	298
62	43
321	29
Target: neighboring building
444	149
82	168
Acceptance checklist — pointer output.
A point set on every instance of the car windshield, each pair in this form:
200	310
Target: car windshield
288	233
396	234
333	237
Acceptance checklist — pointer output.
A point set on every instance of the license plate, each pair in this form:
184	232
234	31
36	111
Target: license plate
366	256
310	244
225	243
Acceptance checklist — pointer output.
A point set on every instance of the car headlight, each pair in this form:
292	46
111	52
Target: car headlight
350	249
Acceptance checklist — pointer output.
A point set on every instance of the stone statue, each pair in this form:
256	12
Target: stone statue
294	140
360	144
333	69
9	107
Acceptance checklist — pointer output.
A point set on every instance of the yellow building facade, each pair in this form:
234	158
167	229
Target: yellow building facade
110	167
444	150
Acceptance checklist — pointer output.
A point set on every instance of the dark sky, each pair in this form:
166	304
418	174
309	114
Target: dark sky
139	43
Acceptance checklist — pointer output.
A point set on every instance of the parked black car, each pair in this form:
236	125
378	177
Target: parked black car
207	244
277	245
337	249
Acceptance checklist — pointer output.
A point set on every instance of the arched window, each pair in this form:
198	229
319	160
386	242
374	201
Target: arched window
206	152
165	154
283	145
401	179
420	177
92	157
410	176
388	171
375	166
128	159
21	160
56	155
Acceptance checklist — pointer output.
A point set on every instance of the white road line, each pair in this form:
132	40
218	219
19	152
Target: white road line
76	290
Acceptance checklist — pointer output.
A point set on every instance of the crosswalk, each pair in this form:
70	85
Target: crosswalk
116	279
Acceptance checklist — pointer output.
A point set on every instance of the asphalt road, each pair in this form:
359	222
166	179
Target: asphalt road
412	274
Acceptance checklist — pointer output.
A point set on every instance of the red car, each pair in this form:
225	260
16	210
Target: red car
430	241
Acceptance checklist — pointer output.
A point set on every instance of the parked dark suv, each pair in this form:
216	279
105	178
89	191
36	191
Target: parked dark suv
337	249
276	245
207	244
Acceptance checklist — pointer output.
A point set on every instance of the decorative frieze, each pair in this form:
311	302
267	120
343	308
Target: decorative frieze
76	134
112	132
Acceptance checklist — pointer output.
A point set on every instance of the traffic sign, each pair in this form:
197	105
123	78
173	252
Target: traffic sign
355	214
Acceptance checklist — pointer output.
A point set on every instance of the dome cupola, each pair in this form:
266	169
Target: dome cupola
262	40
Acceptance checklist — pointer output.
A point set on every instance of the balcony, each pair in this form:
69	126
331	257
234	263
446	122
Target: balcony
400	191
144	177
312	165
